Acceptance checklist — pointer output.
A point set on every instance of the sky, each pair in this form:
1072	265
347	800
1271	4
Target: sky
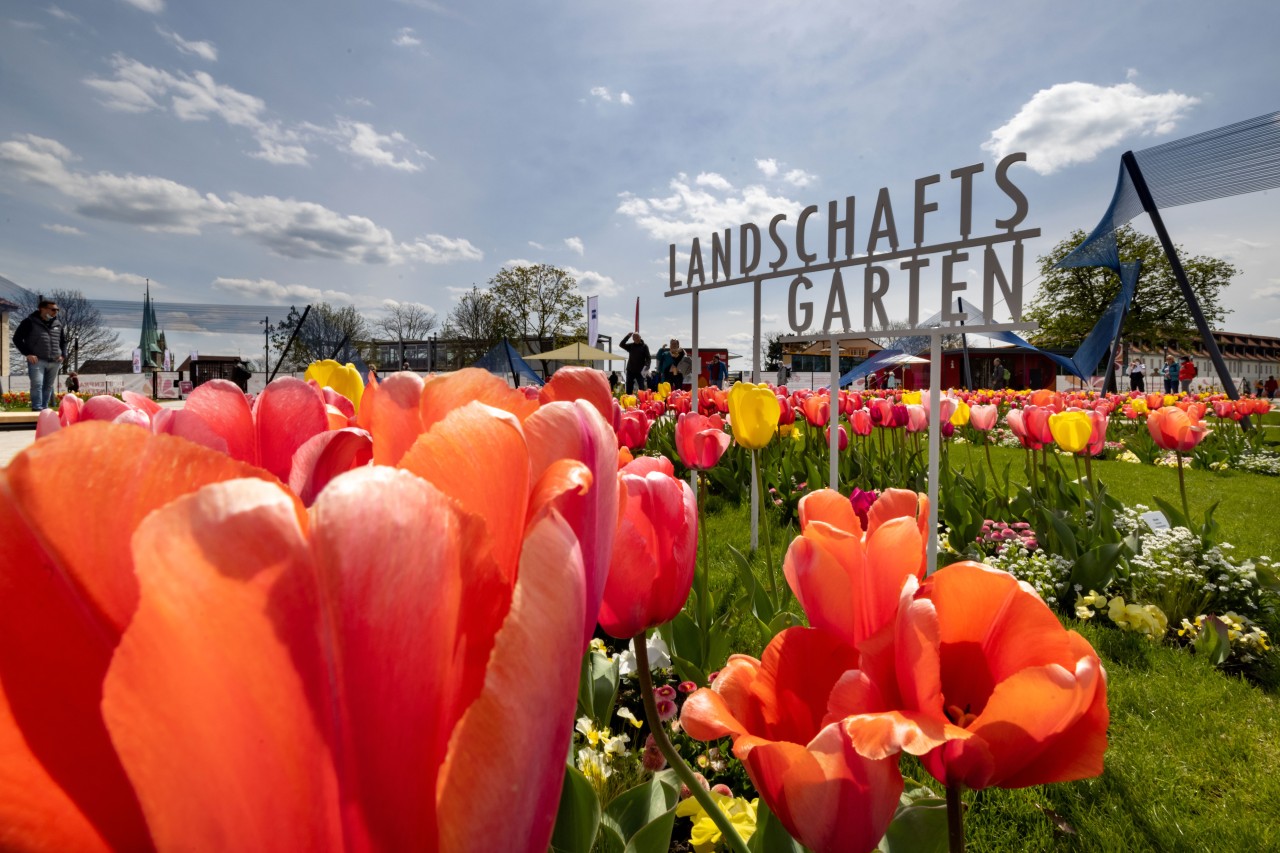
271	153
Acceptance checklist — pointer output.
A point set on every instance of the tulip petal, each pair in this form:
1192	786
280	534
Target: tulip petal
445	393
141	402
577	431
823	582
477	456
285	415
730	707
579	383
506	760
389	411
326	455
221	658
831	507
827	796
222	405
104	408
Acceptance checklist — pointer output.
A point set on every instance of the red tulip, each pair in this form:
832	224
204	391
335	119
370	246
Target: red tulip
918	418
1154	401
701	440
787	415
633	429
1036	419
861	422
1173	429
842	438
654	551
977	648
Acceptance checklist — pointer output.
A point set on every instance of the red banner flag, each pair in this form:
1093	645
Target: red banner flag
637	315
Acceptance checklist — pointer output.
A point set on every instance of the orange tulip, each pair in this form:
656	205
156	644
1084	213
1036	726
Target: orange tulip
978	649
804	764
848	581
288	679
1173	429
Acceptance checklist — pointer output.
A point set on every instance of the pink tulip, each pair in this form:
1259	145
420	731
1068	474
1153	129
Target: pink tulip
701	440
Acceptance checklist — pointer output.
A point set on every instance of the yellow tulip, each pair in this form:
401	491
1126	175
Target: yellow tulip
961	415
1139	406
1071	430
343	378
753	413
912	398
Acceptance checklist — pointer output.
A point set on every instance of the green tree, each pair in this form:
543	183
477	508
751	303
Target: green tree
323	334
1071	300
539	301
474	318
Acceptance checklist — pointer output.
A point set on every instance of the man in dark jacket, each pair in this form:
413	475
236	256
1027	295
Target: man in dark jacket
637	359
40	337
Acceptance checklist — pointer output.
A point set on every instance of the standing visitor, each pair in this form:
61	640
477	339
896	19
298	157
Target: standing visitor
1137	380
719	371
1186	372
41	338
1170	375
1270	387
661	373
891	381
681	368
73	382
637	359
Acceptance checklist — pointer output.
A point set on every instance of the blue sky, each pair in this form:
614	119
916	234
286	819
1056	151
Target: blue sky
279	153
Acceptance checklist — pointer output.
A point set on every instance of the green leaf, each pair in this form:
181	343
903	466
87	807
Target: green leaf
770	835
1175	516
688	671
1095	569
603	686
688	639
919	826
627	817
578	818
1214	641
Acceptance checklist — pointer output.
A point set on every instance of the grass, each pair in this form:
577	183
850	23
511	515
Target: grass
1244	499
1190	760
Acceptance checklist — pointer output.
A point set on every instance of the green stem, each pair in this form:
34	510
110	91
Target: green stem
986	445
1079	486
682	770
1182	486
704	593
1088	472
764	524
955	819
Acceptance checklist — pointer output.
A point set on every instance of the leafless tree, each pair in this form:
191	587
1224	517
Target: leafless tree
406	321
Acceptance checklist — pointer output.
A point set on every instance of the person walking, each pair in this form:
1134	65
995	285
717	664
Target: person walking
1137	376
43	341
637	360
1170	372
1186	372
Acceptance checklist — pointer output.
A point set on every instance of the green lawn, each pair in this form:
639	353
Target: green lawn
1246	500
1190	765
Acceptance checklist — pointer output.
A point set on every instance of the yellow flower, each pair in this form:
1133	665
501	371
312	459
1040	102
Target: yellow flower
1170	399
664	389
1139	405
343	378
961	415
705	834
628	401
1071	430
753	413
625	713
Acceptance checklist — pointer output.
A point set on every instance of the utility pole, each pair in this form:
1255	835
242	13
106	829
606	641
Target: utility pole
266	346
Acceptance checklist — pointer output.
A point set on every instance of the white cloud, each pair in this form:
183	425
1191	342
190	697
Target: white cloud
203	49
713	180
104	274
768	167
155	7
625	99
1271	291
136	87
594	283
62	15
1072	123
62	229
537	246
264	289
799	178
288	227
406	38
367	144
601	92
575	245
693	212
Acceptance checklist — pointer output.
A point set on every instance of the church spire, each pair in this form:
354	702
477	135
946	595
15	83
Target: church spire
152	353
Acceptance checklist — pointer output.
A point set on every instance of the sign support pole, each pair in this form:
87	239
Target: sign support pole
935	446
833	417
755	378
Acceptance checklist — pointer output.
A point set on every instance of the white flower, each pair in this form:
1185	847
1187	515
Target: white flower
659	656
